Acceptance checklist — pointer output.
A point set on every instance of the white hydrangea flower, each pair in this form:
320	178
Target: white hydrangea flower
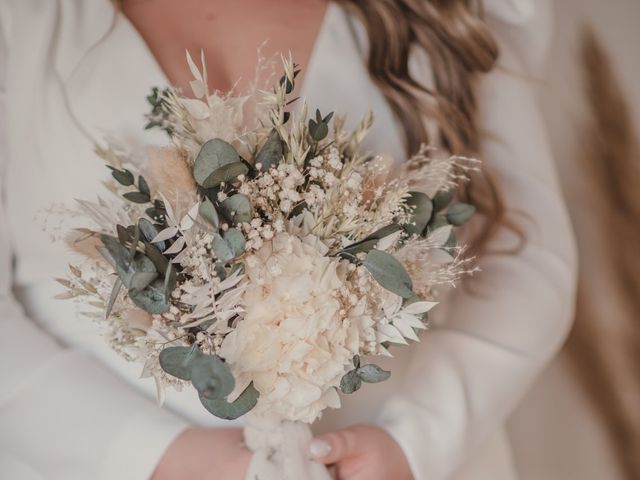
295	341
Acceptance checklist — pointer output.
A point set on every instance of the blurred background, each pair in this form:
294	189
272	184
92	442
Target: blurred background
582	420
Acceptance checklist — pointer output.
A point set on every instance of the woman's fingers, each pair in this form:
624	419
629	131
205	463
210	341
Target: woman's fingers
333	447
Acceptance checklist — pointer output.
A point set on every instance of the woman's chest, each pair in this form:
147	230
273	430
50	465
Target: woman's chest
228	32
69	98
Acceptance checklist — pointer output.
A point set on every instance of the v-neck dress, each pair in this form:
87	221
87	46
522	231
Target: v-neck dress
73	72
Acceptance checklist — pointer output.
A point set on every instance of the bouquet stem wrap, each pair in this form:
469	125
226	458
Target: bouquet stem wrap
280	451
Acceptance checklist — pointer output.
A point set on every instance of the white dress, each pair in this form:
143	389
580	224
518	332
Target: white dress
71	409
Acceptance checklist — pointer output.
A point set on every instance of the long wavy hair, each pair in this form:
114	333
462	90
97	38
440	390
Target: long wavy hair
460	47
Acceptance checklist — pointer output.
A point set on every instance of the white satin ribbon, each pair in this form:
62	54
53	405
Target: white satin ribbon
281	451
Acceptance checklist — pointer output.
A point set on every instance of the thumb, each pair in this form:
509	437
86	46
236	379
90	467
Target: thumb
333	447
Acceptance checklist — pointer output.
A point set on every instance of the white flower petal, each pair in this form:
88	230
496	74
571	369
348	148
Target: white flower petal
176	247
198	88
194	69
411	320
388	241
165	234
196	108
440	256
440	236
419	307
405	329
391	334
187	221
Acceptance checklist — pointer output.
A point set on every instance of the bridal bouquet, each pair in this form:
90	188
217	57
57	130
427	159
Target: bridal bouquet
261	255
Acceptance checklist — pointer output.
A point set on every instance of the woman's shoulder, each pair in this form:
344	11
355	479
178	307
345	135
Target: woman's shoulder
33	24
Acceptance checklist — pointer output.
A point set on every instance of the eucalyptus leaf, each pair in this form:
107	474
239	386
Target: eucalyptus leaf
372	373
149	232
438	221
213	155
226	173
137	273
159	260
177	361
140	280
152	299
232	410
222	249
421	212
208	211
211	377
350	382
459	213
114	252
236	241
137	197
389	273
271	152
442	199
237	208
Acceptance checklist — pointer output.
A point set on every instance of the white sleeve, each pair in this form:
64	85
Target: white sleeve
63	416
467	376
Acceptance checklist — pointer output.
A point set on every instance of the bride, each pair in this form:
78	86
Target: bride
456	74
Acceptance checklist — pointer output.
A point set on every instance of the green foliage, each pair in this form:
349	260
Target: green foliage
154	298
237	209
208	211
137	197
319	128
350	382
271	152
217	162
229	245
157	212
370	373
289	84
442	199
421	212
211	377
459	213
177	361
117	286
370	241
389	272
123	177
232	410
158	115
143	186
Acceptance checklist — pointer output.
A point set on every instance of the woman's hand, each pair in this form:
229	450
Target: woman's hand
361	452
205	454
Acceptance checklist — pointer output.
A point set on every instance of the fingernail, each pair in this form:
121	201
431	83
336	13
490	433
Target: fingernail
319	448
